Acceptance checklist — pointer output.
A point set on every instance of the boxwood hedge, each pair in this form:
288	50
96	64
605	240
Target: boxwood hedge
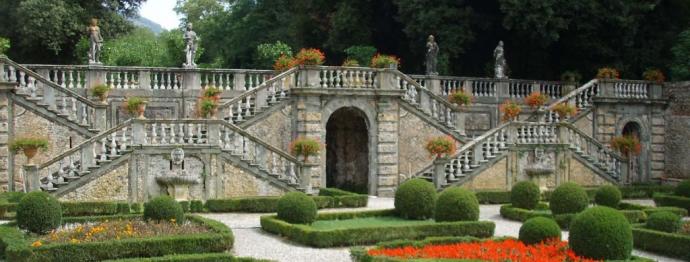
671	200
669	244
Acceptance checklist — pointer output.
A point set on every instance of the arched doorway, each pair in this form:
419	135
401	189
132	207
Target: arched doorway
347	150
635	169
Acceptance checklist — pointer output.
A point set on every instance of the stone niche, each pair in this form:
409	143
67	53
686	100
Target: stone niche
163	166
538	165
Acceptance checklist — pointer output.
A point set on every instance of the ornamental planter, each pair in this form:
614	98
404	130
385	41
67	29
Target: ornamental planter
140	111
30	152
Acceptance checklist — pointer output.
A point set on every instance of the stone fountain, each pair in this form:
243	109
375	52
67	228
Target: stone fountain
540	168
176	180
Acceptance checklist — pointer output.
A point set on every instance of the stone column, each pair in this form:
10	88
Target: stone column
101	122
433	84
386	80
238	82
95	75
191	80
144	79
32	182
213	133
138	132
387	147
305	176
460	116
309	77
606	88
6	123
502	91
308	124
439	175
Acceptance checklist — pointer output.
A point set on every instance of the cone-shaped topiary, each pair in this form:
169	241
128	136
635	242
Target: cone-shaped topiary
537	229
608	195
457	204
683	188
415	199
568	198
297	208
163	208
664	221
525	194
39	212
601	233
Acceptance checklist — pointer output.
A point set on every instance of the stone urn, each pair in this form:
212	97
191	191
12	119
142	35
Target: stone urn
140	111
29	153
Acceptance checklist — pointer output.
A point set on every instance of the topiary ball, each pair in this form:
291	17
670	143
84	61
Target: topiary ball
457	204
163	208
537	229
39	212
608	195
525	195
568	198
683	188
601	233
297	208
415	199
664	221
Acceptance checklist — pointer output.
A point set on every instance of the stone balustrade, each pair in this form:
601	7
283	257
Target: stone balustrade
55	98
498	89
433	105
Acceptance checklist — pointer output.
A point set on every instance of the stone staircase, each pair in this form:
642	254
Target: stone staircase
52	101
112	148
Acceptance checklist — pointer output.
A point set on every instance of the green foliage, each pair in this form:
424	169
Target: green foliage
26	142
305	147
672	201
12	197
368	235
204	257
269	204
384	61
360	53
525	194
70	209
564	220
196	206
608	195
4	45
680	65
683	188
207	107
297	208
185	206
536	230
268	53
143	48
645	190
163	208
519	214
415	199
100	91
131	105
460	98
568	198
601	233
676	210
123	208
137	208
664	221
441	146
571	77
456	204
39	212
634	216
310	56
673	245
219	239
493	197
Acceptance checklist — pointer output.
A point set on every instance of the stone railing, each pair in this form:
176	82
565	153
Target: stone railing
75	162
53	97
630	89
472	156
499	89
69	76
434	105
581	98
347	77
248	103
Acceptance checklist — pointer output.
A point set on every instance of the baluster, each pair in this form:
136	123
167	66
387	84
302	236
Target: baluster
248	113
113	144
103	150
154	136
123	143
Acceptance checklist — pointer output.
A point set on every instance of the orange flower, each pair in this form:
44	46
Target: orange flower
37	243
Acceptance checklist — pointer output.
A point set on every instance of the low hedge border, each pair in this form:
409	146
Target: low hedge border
644	191
360	254
651	210
493	197
205	257
563	220
664	200
306	235
270	204
669	244
17	248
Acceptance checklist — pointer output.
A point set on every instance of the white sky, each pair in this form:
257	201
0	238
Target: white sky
161	12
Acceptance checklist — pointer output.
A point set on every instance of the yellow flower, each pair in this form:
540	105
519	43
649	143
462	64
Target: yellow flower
172	220
74	241
37	243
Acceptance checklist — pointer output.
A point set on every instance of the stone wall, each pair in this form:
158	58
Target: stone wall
276	129
235	182
5	110
113	186
677	124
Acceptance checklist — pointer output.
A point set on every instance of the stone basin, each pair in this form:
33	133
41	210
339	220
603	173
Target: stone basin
538	171
177	180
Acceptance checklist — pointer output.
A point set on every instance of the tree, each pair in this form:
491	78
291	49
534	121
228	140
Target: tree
680	67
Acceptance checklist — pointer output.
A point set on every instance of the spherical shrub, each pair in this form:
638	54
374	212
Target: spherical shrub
664	221
683	188
415	199
297	208
537	229
608	195
601	233
39	212
525	195
163	208
457	204
568	198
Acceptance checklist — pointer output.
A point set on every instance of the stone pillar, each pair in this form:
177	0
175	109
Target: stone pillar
138	132
94	76
606	88
656	90
238	82
213	133
433	84
6	122
439	175
32	182
191	80
305	176
101	122
502	91
387	147
386	80
460	116
309	77
144	80
308	123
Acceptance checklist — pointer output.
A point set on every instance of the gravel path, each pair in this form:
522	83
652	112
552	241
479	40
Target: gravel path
251	241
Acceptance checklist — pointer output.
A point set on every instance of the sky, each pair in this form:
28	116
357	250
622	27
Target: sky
161	12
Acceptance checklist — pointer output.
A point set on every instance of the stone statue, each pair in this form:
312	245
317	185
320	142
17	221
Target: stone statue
431	56
95	42
190	40
500	66
177	156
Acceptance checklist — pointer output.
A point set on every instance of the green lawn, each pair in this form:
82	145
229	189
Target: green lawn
367	222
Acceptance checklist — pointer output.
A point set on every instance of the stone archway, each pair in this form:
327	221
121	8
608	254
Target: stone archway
637	166
347	150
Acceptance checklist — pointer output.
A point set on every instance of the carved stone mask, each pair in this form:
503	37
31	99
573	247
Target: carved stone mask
177	156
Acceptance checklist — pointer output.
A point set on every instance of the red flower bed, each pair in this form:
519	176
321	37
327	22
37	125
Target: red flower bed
490	250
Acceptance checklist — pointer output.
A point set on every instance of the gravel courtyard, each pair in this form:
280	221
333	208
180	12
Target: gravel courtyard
251	241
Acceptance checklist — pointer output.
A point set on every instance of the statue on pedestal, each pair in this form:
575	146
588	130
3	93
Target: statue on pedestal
431	56
95	42
190	40
500	66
